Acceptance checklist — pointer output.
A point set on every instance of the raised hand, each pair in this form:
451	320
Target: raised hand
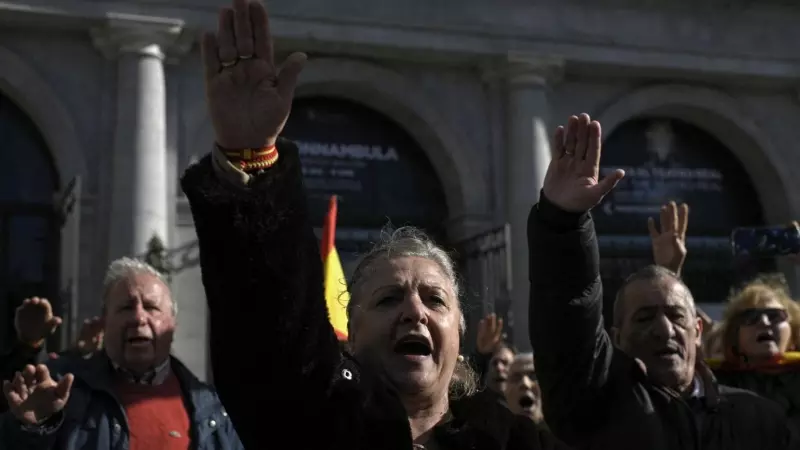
572	182
669	245
34	321
490	333
90	338
33	396
248	96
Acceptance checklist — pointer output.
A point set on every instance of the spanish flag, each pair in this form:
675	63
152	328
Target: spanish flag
336	295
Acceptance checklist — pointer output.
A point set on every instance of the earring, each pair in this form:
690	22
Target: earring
460	358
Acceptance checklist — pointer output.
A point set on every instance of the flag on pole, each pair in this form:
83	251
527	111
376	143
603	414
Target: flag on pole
336	295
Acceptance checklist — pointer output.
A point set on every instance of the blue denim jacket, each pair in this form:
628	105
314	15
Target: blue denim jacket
94	418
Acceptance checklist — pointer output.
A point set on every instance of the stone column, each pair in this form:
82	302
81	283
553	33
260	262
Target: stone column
527	158
140	189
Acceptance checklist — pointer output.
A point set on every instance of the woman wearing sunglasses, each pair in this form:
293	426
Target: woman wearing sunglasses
760	335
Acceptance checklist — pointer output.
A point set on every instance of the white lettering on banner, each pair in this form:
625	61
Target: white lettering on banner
671	173
348	151
643	190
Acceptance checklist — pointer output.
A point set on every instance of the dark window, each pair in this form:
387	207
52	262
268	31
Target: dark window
664	160
29	231
377	170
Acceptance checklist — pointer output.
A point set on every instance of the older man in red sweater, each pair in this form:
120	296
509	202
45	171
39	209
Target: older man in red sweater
132	395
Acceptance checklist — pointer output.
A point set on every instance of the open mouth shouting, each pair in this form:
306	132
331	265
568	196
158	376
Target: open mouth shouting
669	352
527	402
768	340
414	347
766	336
139	342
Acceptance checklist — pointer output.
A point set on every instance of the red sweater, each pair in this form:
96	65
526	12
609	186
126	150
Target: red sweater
157	417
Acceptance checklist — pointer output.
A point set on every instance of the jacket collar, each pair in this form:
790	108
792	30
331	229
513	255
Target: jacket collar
478	421
708	385
97	373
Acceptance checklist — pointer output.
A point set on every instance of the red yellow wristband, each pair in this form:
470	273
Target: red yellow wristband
252	159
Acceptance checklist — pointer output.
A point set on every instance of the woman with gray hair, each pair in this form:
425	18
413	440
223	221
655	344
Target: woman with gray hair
404	386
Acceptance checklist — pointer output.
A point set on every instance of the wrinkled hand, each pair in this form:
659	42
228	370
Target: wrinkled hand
248	97
34	397
490	333
34	321
669	245
572	182
90	338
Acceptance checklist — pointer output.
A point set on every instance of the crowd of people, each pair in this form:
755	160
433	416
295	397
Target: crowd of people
663	377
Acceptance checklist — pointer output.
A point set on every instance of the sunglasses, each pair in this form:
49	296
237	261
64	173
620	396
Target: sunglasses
752	316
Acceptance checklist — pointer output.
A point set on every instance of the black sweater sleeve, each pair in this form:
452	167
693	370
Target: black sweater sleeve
272	347
573	350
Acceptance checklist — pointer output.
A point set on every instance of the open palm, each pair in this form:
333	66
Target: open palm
33	396
490	334
572	182
669	244
34	320
249	98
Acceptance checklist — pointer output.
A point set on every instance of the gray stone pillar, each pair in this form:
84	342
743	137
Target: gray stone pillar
140	189
527	158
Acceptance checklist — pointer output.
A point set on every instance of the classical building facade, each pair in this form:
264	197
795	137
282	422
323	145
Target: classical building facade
436	114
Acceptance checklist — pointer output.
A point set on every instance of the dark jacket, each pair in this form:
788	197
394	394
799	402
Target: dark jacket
781	386
94	419
14	359
263	278
594	395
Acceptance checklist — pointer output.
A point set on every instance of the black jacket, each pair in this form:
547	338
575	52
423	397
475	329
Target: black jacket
263	278
94	419
14	359
594	395
780	386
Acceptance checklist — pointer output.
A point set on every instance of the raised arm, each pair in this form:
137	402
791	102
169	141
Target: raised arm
669	243
272	347
271	342
489	338
573	351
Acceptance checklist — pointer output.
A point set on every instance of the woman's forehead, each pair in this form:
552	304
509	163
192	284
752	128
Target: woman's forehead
404	267
402	270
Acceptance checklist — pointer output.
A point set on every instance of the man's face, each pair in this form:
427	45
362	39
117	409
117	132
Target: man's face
661	329
522	390
139	323
498	369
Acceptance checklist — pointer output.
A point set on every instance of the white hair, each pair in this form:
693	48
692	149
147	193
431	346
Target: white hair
523	357
122	268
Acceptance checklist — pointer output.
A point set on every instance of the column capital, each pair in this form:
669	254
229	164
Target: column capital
159	37
519	68
538	70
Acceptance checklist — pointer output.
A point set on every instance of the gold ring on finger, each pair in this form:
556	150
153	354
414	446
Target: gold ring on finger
227	64
246	56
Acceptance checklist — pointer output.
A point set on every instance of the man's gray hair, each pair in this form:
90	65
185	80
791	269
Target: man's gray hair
648	273
124	267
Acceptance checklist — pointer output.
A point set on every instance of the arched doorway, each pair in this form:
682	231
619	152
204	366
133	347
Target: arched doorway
669	159
378	171
29	225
